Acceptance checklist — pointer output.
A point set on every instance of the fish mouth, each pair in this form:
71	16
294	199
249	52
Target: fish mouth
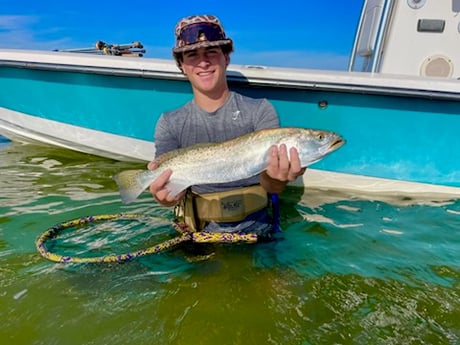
336	144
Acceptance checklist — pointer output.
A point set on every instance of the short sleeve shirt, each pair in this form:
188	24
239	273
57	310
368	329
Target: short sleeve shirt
191	125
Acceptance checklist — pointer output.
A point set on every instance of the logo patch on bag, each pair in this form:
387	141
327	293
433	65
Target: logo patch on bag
232	205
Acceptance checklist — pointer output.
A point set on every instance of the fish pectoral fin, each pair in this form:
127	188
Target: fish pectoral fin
176	186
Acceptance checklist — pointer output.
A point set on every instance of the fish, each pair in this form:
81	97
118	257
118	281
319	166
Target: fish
236	159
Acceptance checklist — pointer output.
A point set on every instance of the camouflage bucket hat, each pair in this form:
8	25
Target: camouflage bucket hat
199	31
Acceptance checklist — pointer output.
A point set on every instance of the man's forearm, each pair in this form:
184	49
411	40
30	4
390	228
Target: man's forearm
271	185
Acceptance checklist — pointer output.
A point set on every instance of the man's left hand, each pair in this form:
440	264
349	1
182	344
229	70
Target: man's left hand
281	169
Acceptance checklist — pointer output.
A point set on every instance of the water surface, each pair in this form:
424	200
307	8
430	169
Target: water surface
346	270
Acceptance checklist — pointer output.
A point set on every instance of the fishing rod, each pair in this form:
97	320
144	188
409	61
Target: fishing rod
131	49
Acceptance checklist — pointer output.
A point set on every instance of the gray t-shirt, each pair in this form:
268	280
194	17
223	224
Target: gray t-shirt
191	125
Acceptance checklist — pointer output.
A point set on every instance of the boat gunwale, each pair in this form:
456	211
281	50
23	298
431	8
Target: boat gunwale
277	77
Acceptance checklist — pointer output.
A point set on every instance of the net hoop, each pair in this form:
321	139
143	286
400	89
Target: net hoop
184	235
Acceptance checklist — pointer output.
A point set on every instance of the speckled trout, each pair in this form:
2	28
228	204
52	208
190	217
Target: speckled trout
227	161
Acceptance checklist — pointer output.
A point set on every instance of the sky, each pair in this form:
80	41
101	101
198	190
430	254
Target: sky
299	33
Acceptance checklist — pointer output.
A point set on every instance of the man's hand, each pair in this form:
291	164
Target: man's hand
158	188
281	169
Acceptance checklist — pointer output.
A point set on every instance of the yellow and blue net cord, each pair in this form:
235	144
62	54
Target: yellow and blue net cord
184	235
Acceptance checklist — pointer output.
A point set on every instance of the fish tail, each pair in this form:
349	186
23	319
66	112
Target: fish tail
131	183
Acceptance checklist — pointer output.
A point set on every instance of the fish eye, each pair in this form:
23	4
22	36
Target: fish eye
320	136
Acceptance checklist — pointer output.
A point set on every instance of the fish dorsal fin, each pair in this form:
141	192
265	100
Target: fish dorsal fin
171	154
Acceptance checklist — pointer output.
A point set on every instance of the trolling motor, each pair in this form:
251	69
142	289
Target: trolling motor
134	49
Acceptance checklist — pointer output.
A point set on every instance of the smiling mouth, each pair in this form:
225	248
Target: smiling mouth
205	73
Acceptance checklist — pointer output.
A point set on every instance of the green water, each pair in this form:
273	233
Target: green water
345	270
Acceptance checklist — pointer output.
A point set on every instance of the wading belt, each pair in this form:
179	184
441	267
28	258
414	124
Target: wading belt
228	206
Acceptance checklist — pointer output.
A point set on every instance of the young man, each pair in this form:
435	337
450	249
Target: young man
216	114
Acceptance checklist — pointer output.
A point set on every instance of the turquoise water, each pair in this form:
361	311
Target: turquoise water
346	270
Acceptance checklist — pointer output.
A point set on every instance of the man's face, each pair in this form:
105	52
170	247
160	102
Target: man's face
206	68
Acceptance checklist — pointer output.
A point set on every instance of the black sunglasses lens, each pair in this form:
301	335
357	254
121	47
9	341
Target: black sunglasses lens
201	31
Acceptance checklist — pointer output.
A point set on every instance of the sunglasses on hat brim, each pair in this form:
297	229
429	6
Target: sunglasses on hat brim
199	32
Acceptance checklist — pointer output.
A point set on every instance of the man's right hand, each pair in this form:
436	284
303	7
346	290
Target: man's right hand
159	191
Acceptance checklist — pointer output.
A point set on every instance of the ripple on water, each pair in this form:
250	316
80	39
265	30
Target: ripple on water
347	269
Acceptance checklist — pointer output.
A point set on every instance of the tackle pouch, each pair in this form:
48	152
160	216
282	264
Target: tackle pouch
228	206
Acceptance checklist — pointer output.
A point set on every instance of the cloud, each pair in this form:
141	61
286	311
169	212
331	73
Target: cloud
295	59
13	23
15	29
23	32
